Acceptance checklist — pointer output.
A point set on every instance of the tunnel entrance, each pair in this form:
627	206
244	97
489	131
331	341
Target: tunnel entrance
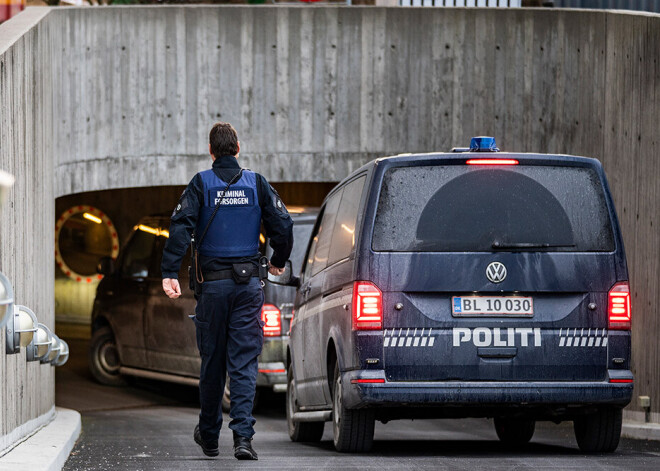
98	224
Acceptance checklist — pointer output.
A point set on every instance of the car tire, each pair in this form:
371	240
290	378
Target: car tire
299	431
104	360
599	432
514	431
226	401
353	429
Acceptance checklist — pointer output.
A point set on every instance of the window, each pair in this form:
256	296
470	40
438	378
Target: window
317	257
459	208
137	255
324	236
346	223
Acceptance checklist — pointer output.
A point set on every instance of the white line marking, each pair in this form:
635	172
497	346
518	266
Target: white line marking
591	341
598	341
605	342
387	342
401	340
584	342
569	342
407	331
562	341
416	342
431	341
424	341
408	341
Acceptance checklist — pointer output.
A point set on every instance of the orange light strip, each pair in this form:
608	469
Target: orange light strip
492	162
273	371
362	381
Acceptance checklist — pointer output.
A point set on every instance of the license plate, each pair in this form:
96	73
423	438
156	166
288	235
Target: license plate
492	306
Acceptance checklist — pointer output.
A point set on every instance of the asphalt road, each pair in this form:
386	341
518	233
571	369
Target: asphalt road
148	426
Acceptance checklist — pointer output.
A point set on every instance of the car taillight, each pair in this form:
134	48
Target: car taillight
272	318
367	306
618	306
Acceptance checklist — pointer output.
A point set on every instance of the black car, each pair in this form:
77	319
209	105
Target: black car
138	331
475	283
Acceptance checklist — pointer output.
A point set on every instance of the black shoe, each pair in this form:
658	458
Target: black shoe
209	447
243	448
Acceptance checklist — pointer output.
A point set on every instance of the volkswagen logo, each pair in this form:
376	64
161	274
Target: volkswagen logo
496	272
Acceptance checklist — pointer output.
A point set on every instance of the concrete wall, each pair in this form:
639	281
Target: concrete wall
315	92
26	221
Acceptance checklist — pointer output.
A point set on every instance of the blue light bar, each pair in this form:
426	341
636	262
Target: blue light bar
483	144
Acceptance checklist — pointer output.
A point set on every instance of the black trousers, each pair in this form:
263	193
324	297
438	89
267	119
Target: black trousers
230	338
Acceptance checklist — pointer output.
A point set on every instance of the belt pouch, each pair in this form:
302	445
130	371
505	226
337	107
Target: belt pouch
242	272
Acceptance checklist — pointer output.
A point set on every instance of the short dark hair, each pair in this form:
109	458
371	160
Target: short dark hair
223	140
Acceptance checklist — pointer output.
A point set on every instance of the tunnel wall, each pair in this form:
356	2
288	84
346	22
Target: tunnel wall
316	92
27	390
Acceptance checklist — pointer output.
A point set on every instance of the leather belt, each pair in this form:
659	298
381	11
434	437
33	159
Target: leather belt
223	274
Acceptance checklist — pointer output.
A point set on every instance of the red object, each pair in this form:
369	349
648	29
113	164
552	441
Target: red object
621	380
618	306
367	306
492	162
362	381
273	371
272	318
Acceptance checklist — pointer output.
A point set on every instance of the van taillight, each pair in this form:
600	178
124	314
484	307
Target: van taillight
367	306
272	318
618	306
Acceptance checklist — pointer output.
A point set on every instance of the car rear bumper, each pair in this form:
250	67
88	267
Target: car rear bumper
427	393
272	375
272	372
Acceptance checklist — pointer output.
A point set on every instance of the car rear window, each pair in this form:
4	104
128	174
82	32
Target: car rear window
457	208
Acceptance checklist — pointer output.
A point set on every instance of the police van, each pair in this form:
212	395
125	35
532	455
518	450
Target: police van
476	283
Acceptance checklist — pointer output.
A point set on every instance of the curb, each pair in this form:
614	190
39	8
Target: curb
49	448
641	430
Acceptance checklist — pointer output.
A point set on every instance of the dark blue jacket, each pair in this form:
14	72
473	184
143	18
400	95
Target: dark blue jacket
275	217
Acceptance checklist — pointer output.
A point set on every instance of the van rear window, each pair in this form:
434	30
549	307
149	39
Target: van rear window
458	208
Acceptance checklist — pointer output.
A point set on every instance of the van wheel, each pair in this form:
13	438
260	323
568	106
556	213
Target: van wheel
353	430
514	431
299	431
599	432
104	358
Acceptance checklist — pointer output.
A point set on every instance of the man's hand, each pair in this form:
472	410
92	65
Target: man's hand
171	287
274	270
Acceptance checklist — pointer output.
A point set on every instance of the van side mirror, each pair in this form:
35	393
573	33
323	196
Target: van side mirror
287	278
106	266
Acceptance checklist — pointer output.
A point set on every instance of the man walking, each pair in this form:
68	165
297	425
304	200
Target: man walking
224	207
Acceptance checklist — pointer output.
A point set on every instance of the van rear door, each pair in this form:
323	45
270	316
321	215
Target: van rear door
501	271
